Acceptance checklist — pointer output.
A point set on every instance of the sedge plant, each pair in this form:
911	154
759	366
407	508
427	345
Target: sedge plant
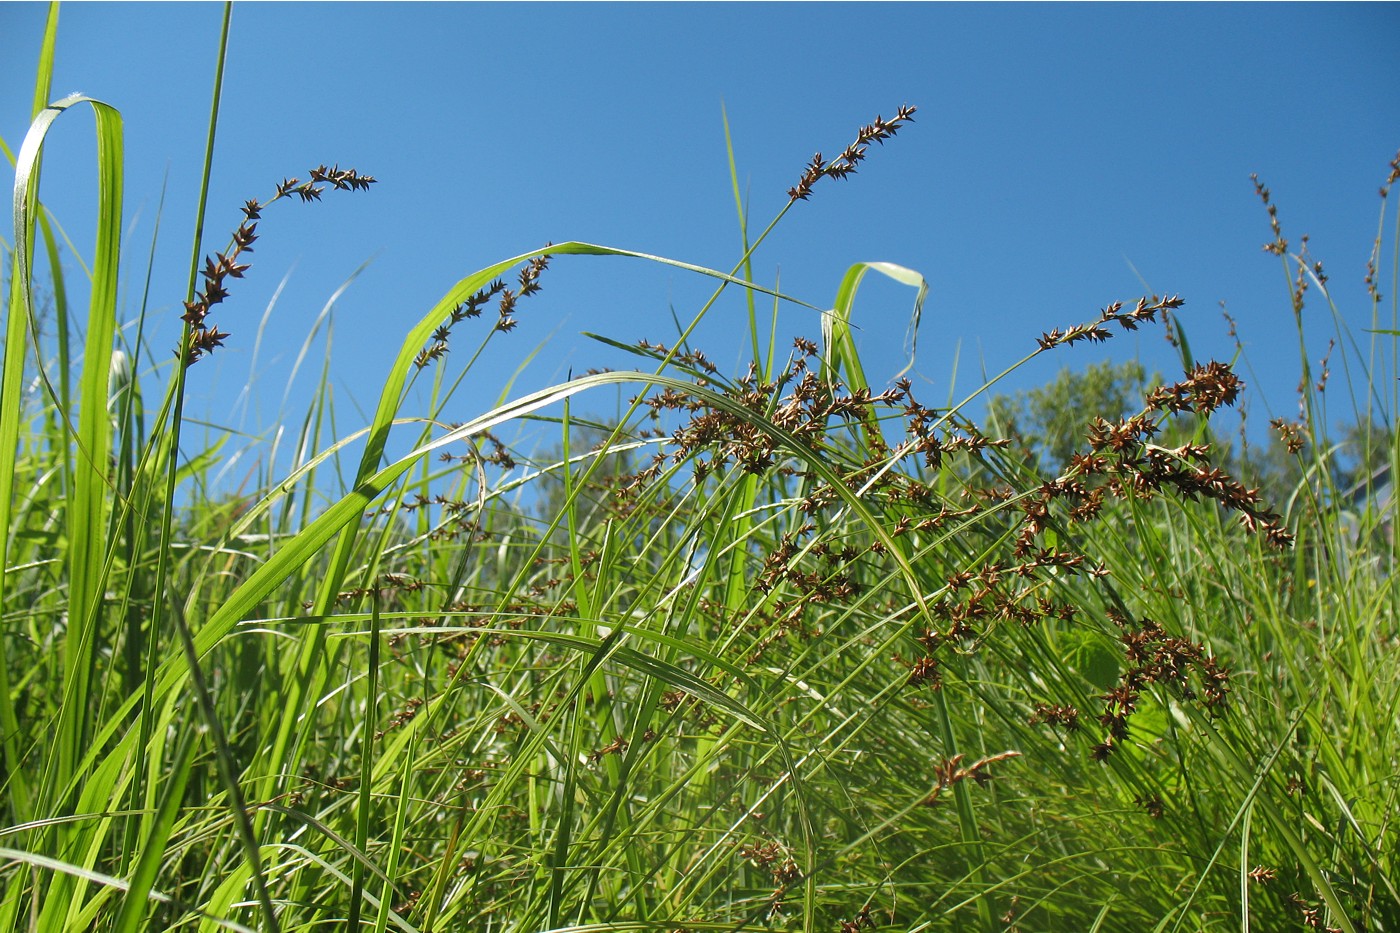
782	648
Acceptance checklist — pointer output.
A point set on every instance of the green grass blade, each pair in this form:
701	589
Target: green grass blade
85	515
364	802
19	303
132	915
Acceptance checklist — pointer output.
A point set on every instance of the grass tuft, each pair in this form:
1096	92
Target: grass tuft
778	648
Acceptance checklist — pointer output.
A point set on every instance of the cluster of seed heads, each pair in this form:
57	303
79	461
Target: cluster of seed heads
1278	245
1306	268
1311	915
1291	433
951	771
528	283
845	164
204	337
1145	311
1154	657
805	571
1128	464
802	571
863	921
821	420
1373	263
773	857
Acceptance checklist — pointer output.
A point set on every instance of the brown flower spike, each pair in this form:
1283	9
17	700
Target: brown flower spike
205	337
845	164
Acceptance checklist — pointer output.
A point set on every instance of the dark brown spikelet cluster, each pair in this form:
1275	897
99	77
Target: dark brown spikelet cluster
1394	175
773	857
1306	267
1291	433
1152	805
401	718
714	438
846	163
1066	717
862	921
1278	245
804	571
1144	312
1121	462
951	771
346	180
1373	262
1205	389
1124	462
204	337
1311	916
1154	657
507	301
926	480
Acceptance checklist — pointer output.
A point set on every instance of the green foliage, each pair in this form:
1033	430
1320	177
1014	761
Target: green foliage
774	649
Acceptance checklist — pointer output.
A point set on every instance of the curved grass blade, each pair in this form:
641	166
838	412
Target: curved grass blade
838	343
87	503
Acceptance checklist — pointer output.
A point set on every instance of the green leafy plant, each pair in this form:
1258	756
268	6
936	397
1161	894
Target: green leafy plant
783	648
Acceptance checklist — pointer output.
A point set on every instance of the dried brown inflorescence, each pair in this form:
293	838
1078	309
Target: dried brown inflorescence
1373	262
1311	916
1067	717
773	857
951	771
1278	245
1154	657
507	301
804	570
862	921
850	157
1307	269
1291	433
204	337
1144	312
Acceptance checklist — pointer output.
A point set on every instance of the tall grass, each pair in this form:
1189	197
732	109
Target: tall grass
777	649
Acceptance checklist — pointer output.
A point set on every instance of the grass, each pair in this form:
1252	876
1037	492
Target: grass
778	649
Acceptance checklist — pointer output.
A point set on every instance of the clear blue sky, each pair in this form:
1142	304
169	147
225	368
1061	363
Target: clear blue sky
1059	153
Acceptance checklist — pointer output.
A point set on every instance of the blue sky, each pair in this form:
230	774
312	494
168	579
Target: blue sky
1061	157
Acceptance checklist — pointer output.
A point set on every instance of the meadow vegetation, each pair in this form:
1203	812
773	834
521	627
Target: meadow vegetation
778	649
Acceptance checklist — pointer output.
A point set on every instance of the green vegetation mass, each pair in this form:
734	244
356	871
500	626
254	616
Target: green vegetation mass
777	649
